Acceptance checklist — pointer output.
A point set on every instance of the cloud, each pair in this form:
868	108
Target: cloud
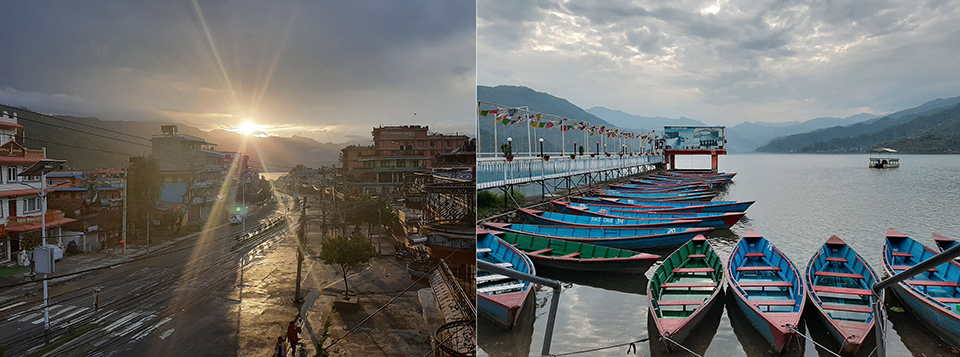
329	64
725	62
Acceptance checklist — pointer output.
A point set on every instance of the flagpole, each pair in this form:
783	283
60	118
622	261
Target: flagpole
495	142
563	140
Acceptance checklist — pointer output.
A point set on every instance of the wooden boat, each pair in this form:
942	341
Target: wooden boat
552	218
683	288
716	206
943	243
838	282
652	188
560	254
698	174
767	287
501	298
931	296
621	238
715	219
703	196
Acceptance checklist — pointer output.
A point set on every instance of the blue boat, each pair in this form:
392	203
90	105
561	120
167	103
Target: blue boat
697	196
622	238
944	243
552	218
716	206
715	219
931	296
767	287
501	298
838	282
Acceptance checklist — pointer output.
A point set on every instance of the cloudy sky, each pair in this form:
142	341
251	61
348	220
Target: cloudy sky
330	70
725	62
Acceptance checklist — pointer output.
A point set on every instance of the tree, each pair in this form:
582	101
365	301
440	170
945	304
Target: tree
298	169
143	188
348	252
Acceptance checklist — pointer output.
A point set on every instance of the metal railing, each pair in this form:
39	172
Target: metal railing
499	172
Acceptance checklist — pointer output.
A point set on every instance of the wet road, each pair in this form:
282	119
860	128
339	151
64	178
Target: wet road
174	301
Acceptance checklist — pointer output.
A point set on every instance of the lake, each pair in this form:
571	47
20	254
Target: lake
801	200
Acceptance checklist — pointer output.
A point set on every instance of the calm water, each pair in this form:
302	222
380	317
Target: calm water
801	200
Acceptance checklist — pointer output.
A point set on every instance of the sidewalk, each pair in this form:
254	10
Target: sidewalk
265	304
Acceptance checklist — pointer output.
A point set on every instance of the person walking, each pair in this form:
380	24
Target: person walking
280	350
292	331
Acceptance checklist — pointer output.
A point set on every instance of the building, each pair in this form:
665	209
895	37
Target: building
397	152
20	207
191	170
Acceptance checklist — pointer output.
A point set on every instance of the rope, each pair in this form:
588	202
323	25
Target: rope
631	344
681	346
812	341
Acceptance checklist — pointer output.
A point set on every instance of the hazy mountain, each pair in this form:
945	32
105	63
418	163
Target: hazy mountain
798	142
524	137
760	133
90	143
936	131
639	123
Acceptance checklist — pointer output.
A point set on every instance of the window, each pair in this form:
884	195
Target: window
401	163
384	164
31	204
11	174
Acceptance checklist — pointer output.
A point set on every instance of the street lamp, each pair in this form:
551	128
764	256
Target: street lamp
541	148
510	143
43	167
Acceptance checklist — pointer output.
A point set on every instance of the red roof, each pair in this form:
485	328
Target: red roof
20	192
36	226
19	160
7	125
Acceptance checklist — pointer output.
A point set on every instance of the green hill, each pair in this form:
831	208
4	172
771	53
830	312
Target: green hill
804	142
936	132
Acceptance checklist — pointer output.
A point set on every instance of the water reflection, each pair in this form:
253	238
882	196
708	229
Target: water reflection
631	284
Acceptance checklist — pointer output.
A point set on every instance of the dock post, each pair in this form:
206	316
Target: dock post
714	162
673	161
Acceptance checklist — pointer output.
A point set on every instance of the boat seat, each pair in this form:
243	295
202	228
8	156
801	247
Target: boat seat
946	284
754	255
504	265
693	270
571	255
679	302
905	267
688	285
765	284
490	278
541	251
835	259
947	300
500	288
773	302
902	254
838	275
484	250
760	268
862	309
697	256
844	291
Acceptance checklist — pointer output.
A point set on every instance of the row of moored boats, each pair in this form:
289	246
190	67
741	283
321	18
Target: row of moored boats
608	233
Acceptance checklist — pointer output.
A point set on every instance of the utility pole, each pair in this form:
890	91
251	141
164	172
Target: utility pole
301	232
123	240
148	231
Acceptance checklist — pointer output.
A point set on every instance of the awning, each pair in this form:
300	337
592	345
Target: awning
21	192
6	125
36	226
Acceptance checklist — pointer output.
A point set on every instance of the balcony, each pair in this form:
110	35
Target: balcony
52	216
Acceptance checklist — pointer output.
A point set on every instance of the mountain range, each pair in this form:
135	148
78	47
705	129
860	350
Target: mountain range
914	129
90	143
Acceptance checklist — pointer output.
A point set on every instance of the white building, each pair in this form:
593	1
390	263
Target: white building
20	208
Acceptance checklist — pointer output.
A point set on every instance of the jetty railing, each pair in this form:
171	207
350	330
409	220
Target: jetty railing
497	172
554	303
878	287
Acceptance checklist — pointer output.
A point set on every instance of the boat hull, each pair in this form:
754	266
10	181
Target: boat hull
672	239
775	335
945	325
502	309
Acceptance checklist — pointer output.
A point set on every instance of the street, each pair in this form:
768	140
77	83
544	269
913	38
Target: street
177	300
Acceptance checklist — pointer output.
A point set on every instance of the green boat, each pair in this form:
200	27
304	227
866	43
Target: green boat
682	290
559	254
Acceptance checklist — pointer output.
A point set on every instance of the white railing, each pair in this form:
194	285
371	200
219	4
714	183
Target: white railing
494	172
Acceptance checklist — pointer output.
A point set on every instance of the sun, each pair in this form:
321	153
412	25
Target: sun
248	128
